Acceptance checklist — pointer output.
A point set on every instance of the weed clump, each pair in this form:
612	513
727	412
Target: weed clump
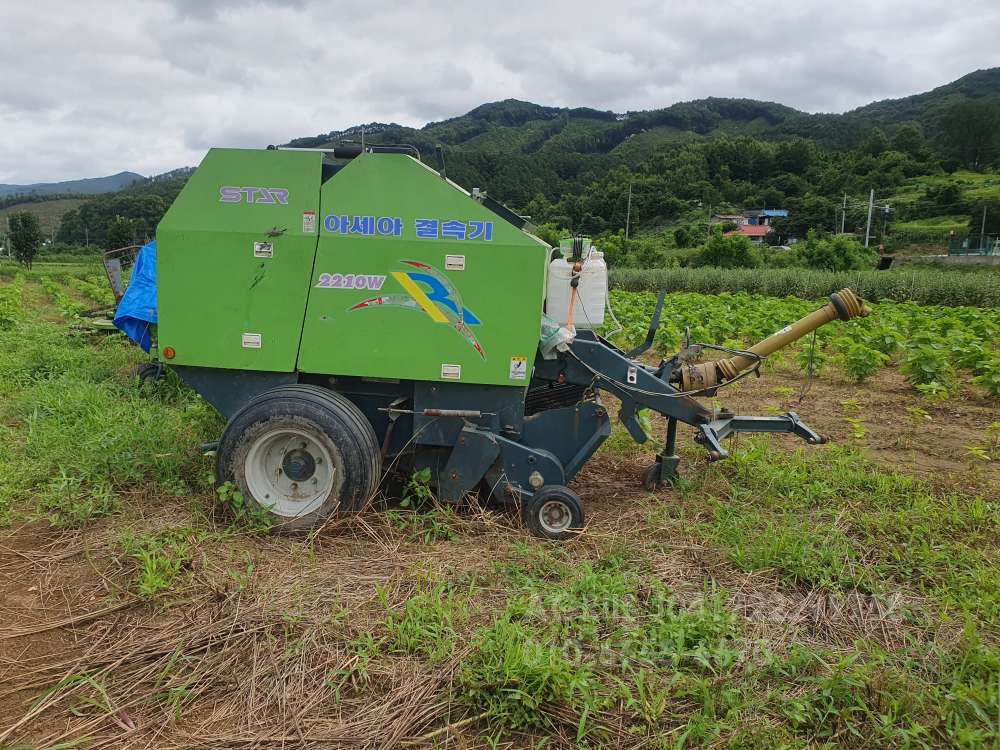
159	558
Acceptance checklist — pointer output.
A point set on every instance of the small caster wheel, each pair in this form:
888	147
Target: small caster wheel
554	512
148	372
652	480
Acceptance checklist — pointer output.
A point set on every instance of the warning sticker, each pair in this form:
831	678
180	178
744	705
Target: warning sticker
308	222
518	368
451	372
251	341
454	262
263	250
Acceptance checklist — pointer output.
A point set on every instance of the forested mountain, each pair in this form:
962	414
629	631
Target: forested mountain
518	149
573	169
136	211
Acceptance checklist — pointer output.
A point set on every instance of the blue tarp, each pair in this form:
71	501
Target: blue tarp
136	313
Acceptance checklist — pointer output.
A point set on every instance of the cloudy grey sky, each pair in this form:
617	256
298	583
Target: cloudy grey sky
96	87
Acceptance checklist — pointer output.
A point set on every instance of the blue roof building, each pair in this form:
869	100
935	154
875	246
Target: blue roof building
763	216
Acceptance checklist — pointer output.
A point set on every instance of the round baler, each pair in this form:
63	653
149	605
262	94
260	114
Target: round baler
353	316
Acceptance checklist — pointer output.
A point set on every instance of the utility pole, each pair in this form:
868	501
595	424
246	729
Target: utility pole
628	211
868	225
982	230
843	214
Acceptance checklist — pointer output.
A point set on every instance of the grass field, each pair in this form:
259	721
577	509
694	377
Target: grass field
974	185
837	596
934	225
49	213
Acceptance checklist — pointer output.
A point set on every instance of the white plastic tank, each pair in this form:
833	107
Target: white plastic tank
591	293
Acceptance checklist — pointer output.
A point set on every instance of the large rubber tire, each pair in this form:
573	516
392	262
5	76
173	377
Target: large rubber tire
554	512
318	429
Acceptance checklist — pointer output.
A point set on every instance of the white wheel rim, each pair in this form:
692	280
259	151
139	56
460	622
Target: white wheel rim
289	472
555	516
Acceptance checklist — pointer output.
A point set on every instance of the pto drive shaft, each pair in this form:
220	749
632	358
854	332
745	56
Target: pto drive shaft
843	305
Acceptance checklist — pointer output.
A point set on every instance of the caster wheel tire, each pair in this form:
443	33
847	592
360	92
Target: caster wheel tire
148	372
302	454
651	479
554	512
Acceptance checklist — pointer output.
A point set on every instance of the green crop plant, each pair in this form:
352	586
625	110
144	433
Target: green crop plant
858	428
884	339
927	363
934	391
69	307
968	352
990	376
811	357
851	406
975	452
966	337
861	362
924	286
100	294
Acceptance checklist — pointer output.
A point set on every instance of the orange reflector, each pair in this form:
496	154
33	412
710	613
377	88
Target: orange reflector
169	353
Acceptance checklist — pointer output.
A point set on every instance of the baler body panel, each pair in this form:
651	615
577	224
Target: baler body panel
416	280
235	254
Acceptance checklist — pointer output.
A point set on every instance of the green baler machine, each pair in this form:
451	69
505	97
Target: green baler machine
351	310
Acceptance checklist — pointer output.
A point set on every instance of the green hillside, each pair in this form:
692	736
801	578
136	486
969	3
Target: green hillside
518	149
930	107
49	213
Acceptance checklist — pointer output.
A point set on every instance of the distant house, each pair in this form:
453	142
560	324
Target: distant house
754	232
763	216
735	219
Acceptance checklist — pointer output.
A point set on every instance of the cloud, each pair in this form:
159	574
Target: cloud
98	87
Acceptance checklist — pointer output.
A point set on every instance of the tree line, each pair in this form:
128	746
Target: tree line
578	179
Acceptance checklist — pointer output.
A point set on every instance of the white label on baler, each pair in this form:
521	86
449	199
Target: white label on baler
518	368
251	341
454	262
451	372
263	250
308	222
